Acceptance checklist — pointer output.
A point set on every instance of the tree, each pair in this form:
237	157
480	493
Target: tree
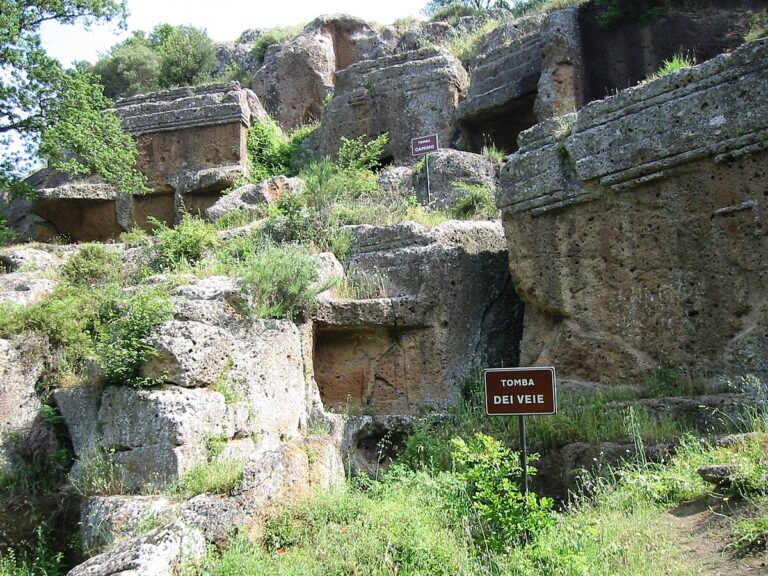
168	56
434	6
54	112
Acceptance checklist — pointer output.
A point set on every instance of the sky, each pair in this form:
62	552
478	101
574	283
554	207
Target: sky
223	19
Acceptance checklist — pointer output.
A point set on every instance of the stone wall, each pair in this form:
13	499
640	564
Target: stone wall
637	229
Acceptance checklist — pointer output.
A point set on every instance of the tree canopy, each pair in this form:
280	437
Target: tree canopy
56	113
166	57
434	6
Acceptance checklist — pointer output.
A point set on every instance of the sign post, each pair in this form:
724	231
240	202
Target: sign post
422	146
520	392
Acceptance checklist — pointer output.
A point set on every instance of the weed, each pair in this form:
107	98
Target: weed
466	44
272	36
677	62
217	475
490	151
362	286
751	535
186	244
92	265
758	26
7	235
135	237
475	202
97	475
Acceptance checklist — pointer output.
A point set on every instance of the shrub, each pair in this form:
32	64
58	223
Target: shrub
268	151
131	67
280	282
124	322
93	265
7	235
466	44
492	476
357	154
475	202
758	26
187	56
272	36
186	244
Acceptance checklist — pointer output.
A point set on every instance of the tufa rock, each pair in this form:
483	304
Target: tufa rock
161	552
24	288
370	100
249	196
606	213
450	173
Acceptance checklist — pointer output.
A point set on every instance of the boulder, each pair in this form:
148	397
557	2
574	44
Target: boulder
24	288
28	259
299	74
606	213
370	100
106	521
249	196
162	552
215	301
188	354
451	174
446	306
22	362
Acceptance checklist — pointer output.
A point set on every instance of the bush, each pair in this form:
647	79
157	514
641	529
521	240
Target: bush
123	324
492	476
272	36
758	26
184	245
187	57
475	202
130	68
269	152
7	235
357	154
93	265
280	282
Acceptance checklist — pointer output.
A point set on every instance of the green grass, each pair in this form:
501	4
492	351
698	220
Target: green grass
216	476
673	64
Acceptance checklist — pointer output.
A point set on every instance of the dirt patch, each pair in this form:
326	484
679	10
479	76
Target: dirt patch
704	527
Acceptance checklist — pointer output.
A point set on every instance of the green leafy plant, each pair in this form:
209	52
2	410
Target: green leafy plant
7	235
272	36
92	265
357	154
677	62
186	244
758	26
475	201
613	11
492	474
124	322
750	535
280	282
268	151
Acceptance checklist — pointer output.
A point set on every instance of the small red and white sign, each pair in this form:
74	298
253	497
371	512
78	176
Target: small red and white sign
424	145
520	391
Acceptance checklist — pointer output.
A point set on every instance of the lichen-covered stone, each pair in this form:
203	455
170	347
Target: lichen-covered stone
24	287
451	174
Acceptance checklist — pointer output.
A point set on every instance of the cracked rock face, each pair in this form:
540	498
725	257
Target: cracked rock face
638	237
443	305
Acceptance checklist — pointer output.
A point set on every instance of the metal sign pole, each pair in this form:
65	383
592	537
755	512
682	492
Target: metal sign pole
524	459
429	191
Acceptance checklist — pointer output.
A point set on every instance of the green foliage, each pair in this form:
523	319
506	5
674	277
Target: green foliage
474	202
493	475
435	8
465	45
187	57
186	244
677	62
98	476
280	282
167	57
40	560
268	151
491	152
56	113
272	36
93	265
217	475
357	154
751	535
123	324
132	67
758	26
612	11
7	235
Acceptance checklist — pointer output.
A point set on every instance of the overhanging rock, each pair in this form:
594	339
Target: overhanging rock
637	228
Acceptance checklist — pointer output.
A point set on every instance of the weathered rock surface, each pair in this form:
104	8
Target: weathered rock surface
22	362
299	74
502	89
451	172
370	100
188	354
28	259
447	304
161	552
24	287
108	520
606	227
192	145
249	196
